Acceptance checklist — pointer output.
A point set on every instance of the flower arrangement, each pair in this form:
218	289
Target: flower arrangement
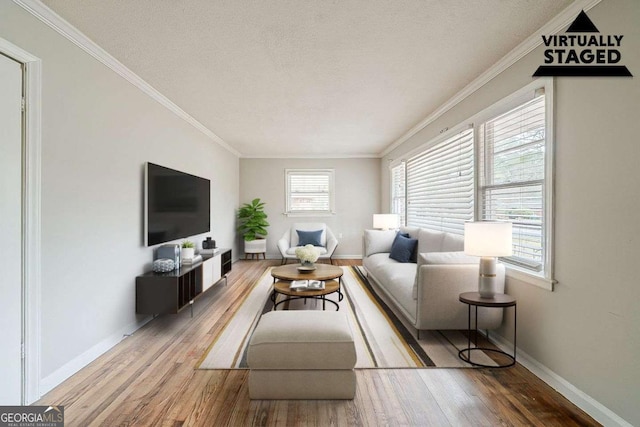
307	253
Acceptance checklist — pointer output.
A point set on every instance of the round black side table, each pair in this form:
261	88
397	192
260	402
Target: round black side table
498	301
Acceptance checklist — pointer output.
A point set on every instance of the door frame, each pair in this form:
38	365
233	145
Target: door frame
31	219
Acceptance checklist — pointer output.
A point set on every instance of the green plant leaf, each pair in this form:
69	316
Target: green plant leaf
252	220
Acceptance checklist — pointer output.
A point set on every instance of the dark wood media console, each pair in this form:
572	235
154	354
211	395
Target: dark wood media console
168	293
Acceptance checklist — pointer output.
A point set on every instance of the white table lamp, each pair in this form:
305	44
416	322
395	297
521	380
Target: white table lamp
488	240
386	221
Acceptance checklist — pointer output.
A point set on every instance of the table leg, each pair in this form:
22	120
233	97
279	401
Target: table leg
469	331
515	330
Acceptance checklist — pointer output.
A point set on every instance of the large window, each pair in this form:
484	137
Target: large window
440	185
500	168
309	191
512	177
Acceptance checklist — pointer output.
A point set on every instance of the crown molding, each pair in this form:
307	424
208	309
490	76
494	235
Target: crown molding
311	156
560	21
64	28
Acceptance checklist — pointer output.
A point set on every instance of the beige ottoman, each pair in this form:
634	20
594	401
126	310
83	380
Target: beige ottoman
302	354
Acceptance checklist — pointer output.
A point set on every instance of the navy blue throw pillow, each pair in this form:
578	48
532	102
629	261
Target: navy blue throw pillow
403	248
309	237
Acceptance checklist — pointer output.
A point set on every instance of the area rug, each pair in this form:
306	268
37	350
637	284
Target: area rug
381	339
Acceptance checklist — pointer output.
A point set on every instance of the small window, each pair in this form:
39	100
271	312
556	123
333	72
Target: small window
398	192
309	191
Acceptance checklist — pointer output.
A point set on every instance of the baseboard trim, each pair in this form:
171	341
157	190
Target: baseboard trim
582	400
70	368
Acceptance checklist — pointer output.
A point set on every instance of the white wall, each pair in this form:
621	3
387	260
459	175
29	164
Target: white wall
588	330
357	184
98	131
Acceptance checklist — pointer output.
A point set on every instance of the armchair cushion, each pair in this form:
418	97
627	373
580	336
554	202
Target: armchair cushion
310	237
292	251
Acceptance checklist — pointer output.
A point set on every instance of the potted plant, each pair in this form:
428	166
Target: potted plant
188	250
253	227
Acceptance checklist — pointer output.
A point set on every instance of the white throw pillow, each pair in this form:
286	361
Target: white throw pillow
378	241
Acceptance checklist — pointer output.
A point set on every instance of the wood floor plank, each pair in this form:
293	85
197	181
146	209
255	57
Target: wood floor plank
149	379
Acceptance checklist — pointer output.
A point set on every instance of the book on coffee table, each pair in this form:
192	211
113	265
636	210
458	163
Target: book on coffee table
307	285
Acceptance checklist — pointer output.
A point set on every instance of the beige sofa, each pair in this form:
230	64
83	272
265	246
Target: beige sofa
426	292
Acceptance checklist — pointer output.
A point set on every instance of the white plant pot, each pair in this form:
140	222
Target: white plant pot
187	253
258	246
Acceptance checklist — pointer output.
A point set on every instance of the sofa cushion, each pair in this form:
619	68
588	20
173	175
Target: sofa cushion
452	243
395	277
403	248
413	232
398	280
310	237
378	241
429	241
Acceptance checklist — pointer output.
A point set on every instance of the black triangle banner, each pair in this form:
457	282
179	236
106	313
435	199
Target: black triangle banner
582	24
585	55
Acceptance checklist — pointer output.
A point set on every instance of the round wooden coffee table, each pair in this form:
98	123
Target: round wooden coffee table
285	274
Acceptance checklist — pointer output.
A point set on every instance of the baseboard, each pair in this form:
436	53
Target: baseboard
61	374
588	404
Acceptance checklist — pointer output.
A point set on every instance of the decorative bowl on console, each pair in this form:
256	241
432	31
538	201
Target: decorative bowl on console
163	265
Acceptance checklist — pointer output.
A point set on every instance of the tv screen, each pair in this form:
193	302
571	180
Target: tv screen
177	204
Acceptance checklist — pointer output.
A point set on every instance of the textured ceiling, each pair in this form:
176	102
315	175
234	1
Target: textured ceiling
308	78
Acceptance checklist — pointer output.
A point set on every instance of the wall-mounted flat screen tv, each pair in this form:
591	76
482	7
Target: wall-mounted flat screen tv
177	204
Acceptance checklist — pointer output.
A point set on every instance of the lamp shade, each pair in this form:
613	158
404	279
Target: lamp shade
488	238
386	221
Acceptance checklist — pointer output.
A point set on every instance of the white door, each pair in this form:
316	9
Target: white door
10	231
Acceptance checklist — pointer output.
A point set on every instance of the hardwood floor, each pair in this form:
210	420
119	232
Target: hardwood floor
149	379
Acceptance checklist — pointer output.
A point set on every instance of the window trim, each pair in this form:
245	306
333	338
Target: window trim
544	279
311	171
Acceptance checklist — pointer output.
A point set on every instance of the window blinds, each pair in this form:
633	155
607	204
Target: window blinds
511	178
398	191
309	191
440	185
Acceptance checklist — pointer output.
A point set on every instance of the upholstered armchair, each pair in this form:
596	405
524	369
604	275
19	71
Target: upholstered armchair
316	233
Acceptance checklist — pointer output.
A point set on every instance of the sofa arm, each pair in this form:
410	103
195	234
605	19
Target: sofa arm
438	289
